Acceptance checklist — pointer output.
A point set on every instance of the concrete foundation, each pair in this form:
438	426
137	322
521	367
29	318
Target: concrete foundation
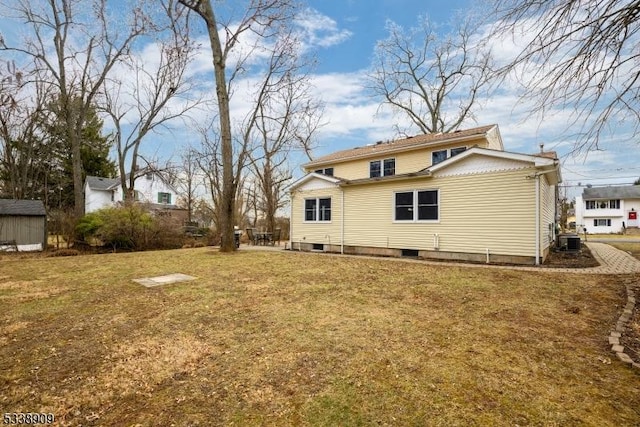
422	254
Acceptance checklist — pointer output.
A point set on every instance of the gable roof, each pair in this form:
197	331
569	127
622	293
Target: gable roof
16	207
106	184
613	192
543	162
100	183
310	176
413	142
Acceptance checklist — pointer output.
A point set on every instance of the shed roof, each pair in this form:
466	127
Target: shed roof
612	192
16	207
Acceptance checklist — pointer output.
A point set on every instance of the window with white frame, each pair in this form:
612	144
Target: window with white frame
603	204
602	222
416	205
317	210
386	167
325	171
442	155
458	150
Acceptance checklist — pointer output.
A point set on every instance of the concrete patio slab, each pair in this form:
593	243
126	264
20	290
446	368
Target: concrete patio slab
150	282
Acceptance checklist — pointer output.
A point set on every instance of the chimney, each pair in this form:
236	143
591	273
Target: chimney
541	148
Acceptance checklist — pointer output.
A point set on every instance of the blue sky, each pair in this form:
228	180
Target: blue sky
343	34
365	20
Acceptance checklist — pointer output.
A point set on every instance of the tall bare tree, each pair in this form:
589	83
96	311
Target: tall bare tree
24	155
579	54
432	81
155	93
284	117
260	19
87	44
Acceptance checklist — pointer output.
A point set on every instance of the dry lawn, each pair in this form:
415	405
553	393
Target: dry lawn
305	339
632	248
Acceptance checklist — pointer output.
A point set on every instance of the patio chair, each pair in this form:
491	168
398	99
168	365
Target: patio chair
253	238
275	237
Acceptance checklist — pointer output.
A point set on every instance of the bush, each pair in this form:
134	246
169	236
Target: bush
131	227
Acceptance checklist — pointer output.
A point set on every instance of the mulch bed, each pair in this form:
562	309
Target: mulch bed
566	259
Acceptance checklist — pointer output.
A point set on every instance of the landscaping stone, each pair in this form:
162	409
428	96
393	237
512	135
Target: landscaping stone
624	357
617	348
614	340
616	334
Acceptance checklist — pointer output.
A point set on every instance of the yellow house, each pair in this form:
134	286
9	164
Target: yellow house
455	196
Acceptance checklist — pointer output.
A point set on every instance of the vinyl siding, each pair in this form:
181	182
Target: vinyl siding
494	211
547	212
316	232
406	162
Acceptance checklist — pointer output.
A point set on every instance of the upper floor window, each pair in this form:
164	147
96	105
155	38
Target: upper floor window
442	155
603	204
317	210
386	167
164	198
325	171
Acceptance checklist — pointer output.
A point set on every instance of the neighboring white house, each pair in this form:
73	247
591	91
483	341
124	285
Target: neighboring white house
149	188
608	209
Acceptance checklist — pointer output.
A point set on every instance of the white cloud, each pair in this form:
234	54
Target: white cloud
320	30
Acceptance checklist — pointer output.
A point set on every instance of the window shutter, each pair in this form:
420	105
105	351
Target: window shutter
168	198
159	197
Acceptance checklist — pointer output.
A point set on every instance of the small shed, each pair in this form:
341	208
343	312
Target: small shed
23	225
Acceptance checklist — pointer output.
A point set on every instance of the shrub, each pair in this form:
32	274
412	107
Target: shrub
132	227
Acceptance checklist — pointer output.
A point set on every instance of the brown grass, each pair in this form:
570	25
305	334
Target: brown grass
632	248
305	339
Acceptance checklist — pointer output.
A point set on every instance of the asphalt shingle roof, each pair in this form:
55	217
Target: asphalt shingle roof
620	192
15	207
383	147
99	183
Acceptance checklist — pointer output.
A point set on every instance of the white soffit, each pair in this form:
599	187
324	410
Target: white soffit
481	164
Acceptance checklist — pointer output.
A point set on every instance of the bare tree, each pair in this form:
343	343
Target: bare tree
260	19
433	82
188	179
283	117
86	46
156	95
210	163
20	155
579	54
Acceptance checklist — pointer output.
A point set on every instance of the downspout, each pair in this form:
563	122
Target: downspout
342	221
291	223
537	184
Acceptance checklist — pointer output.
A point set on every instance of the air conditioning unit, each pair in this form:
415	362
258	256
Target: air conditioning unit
569	242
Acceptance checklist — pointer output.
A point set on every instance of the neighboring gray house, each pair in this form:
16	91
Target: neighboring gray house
23	225
608	209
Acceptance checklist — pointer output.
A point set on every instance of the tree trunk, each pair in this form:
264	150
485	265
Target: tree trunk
227	202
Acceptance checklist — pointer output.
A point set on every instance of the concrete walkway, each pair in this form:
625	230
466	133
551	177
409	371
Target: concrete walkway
612	261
